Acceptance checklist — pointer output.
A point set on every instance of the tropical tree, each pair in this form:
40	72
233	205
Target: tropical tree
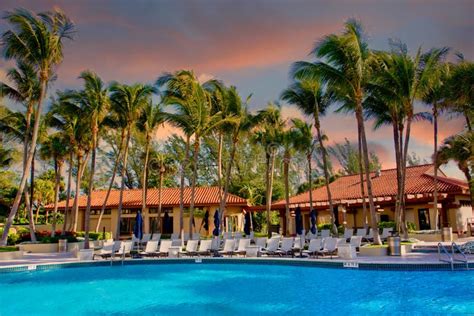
269	134
95	102
164	164
128	102
56	148
459	148
36	40
314	99
152	117
345	66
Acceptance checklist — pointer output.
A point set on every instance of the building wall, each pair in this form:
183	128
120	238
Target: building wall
109	221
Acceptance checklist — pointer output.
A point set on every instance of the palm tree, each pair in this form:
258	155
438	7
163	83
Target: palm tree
165	165
38	41
399	81
304	143
55	147
26	92
95	101
345	66
311	97
460	95
240	122
128	102
460	149
152	117
269	134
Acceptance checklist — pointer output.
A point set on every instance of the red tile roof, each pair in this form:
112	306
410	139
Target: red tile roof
204	196
419	180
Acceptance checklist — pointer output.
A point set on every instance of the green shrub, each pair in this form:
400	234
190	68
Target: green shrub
96	236
13	236
325	226
411	227
390	224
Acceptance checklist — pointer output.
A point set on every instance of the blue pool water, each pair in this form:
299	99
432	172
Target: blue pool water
233	289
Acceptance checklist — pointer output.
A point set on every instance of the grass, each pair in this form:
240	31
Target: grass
8	249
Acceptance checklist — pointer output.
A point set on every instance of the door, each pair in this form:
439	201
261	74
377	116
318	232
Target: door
424	219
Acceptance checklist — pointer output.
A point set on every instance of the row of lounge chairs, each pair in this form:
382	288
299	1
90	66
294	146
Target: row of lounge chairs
349	232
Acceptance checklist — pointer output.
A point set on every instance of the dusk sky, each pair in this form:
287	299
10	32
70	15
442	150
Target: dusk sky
250	44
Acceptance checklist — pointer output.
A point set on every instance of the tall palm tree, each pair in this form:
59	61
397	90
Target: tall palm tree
240	122
434	96
56	148
345	66
165	165
269	134
128	102
38	41
113	122
311	97
152	117
460	94
459	148
400	80
95	101
304	143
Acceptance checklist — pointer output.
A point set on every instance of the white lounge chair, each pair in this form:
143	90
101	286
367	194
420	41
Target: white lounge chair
164	248
386	232
229	247
310	235
329	247
314	246
146	238
150	249
271	247
125	249
242	246
227	235
191	248
261	242
325	233
238	235
286	247
175	236
348	232
176	242
186	236
106	251
341	241
196	236
205	247
356	241
156	237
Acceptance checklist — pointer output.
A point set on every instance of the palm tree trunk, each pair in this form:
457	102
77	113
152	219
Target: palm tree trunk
227	181
270	167
68	194
193	184
160	189
310	180
435	154
29	160
404	168
286	165
361	175
112	179
122	186
145	174
365	151
75	207
87	216
219	163
31	222
57	173
32	180
396	142
181	188
326	173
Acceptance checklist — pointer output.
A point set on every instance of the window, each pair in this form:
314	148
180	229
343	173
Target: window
424	218
129	211
126	225
97	212
163	210
384	218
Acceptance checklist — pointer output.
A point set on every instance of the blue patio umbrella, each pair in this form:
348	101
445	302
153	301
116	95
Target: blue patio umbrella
299	221
247	223
205	221
313	221
215	232
138	227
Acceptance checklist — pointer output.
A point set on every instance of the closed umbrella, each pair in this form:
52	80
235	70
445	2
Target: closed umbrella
299	221
166	224
205	221
247	224
215	232
138	227
313	222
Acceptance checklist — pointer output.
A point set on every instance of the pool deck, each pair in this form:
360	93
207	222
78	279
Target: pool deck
409	259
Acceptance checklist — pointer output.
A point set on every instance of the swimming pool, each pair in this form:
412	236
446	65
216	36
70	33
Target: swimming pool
232	289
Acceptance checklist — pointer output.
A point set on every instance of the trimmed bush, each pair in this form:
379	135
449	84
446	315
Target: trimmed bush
95	236
389	224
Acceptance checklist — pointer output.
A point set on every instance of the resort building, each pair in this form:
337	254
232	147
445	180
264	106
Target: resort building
206	199
454	205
